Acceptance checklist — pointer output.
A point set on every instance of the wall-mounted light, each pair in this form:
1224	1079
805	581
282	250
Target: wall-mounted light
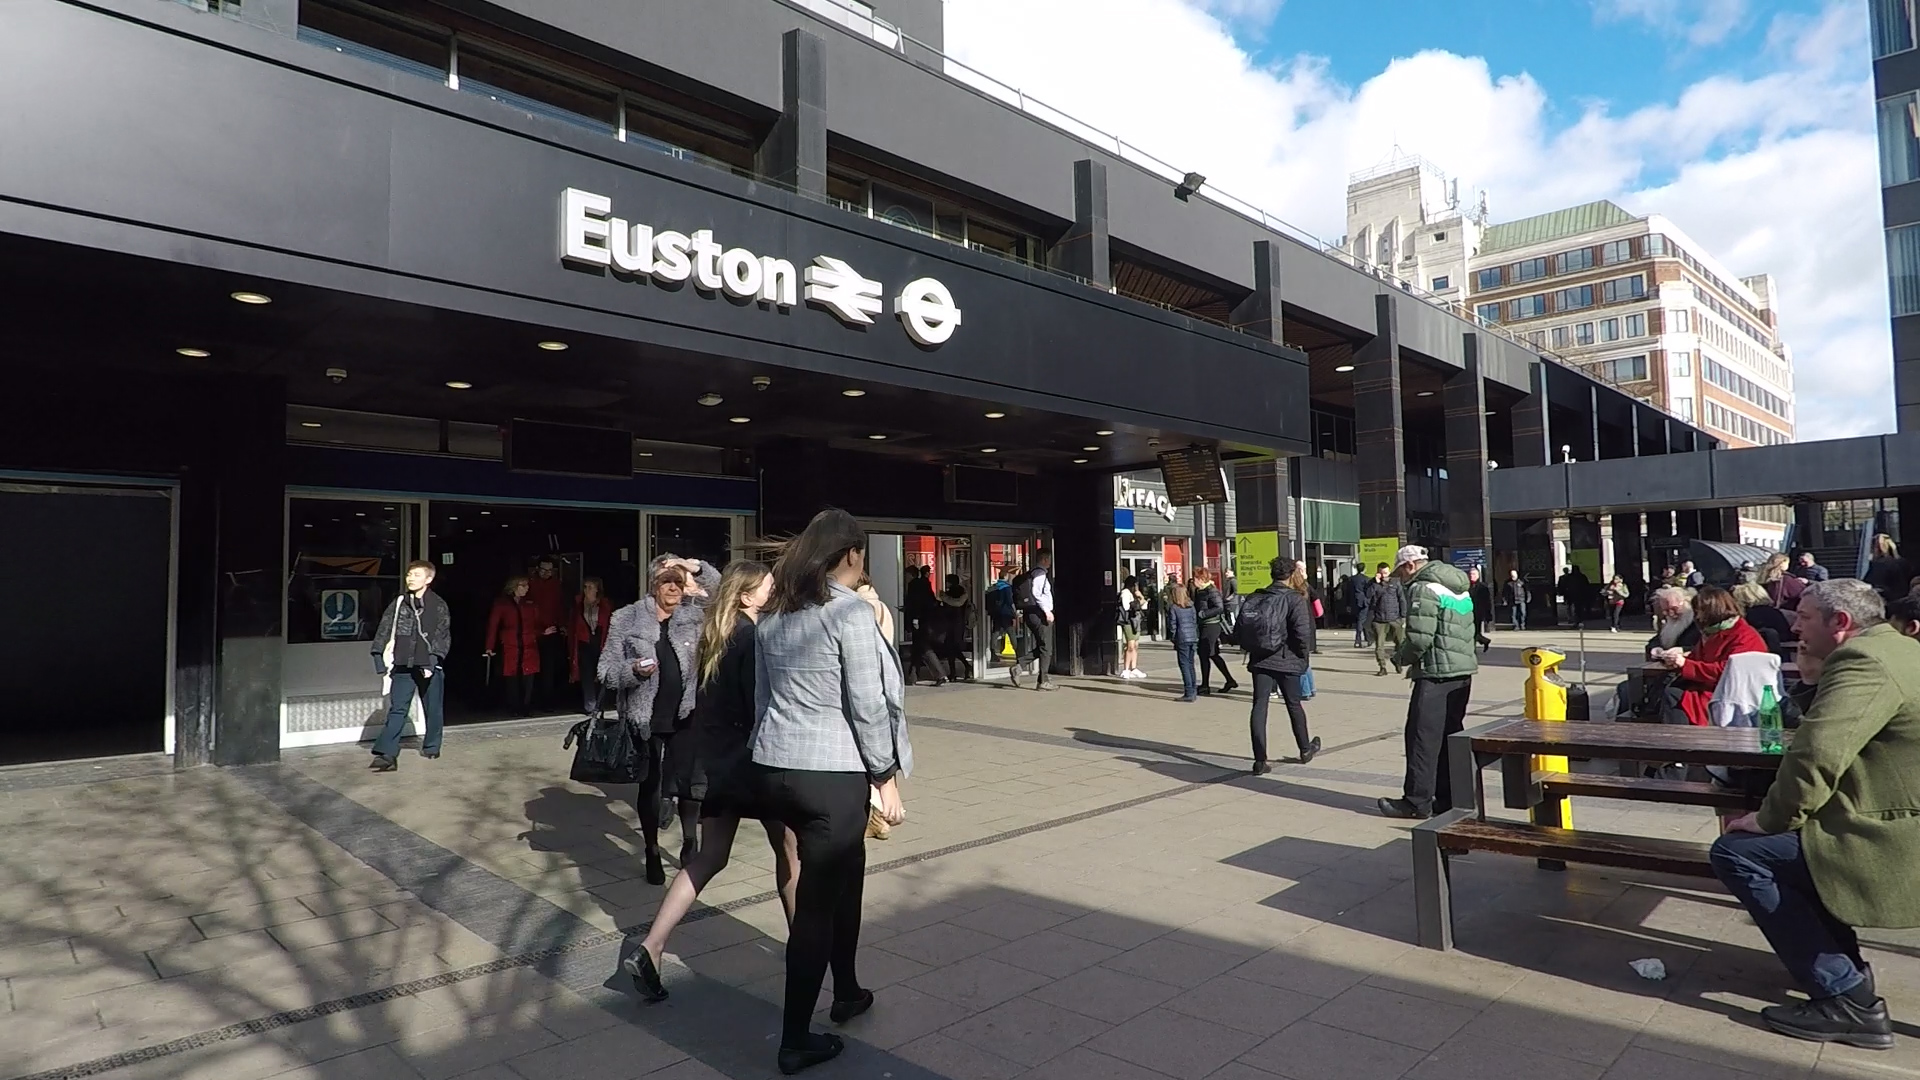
1188	184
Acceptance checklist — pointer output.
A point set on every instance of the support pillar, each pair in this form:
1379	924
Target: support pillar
1084	253
1810	526
1085	589
1531	437
795	151
1260	314
1726	522
1465	401
1380	444
1629	554
1909	507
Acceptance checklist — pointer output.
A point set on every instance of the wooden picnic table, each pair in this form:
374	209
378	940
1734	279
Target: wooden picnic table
1513	744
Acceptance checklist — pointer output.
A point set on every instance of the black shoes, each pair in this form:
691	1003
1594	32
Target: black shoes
646	975
1401	808
383	763
843	1011
1205	691
821	1048
656	874
1261	768
1312	750
1839	1019
1230	688
430	755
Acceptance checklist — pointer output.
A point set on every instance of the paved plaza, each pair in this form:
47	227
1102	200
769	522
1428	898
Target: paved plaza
1089	885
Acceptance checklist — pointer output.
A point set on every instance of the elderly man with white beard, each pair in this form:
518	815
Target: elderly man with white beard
1673	617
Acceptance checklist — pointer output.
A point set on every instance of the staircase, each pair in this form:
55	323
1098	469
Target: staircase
1841	562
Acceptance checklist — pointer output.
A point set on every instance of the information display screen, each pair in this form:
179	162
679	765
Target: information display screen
1193	475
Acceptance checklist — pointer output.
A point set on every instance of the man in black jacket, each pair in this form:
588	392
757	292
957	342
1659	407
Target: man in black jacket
1276	626
1389	618
412	643
1210	609
1360	589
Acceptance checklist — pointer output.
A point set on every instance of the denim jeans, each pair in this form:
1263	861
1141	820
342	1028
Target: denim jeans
1517	614
1184	651
1769	875
407	681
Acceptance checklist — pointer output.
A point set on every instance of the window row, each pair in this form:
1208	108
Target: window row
1733	382
1719	308
1633	326
1741	426
1899	121
1903	269
1568	262
1622	369
1615	291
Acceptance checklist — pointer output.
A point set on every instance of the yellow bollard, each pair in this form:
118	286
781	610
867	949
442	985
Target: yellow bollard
1546	698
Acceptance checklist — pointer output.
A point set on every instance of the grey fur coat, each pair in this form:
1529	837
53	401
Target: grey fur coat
635	634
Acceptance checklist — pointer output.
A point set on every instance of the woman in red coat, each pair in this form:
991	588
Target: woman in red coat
514	627
586	636
1723	633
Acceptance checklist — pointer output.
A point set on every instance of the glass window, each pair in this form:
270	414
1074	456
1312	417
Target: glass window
690	537
1609	329
1580	296
1530	269
1527	307
361	33
1657	244
1575	260
1683	365
1562	335
1683	408
1903	269
527	87
1442	284
344	564
1618	251
1439	237
1681	322
1892	26
1626	288
1489	313
1487	279
1899	146
1583	334
1636	326
906	209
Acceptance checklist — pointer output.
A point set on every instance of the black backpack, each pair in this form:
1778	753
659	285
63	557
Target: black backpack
1023	591
1262	625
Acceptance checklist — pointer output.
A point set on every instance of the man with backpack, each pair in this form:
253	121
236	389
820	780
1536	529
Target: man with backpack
1276	629
1033	598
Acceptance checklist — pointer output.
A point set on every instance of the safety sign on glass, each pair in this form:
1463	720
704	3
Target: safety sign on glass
339	615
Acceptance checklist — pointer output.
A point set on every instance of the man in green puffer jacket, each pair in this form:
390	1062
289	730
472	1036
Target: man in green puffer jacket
1438	655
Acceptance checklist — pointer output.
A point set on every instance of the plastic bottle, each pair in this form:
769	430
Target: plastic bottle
1773	739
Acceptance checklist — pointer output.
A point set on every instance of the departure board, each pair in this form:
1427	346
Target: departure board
1193	475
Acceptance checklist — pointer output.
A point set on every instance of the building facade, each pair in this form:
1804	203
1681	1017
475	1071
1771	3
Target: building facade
1896	84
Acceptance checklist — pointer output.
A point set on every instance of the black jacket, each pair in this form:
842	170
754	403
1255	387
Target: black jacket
1362	588
1297	613
725	704
1208	606
434	625
1389	601
1482	602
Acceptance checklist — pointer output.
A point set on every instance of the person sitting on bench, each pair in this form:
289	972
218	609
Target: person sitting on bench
1836	843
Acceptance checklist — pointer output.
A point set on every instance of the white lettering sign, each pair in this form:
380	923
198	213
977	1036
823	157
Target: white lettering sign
593	238
1141	498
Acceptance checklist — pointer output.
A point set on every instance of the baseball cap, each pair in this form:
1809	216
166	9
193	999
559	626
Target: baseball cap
1410	553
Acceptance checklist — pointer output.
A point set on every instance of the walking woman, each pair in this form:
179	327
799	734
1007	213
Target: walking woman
830	735
1278	625
586	639
514	629
723	722
1615	597
1132	604
1184	630
649	661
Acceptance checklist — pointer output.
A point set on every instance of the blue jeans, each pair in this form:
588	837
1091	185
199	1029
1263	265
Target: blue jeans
406	682
1769	875
1184	651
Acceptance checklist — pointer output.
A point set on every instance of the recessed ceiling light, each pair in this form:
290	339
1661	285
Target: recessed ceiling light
1089	449
359	513
386	508
252	297
1344	368
709	400
1424	393
646	453
453	517
1490	412
853	392
459	384
989	449
877	438
486	513
739	419
554	346
995	415
1103	432
195	353
1079	461
309	423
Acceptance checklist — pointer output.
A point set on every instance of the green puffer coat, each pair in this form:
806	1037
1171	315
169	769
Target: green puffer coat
1440	634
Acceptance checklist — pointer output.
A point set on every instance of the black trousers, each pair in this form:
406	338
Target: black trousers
1210	657
827	812
590	690
1437	709
518	691
1040	636
553	669
1264	684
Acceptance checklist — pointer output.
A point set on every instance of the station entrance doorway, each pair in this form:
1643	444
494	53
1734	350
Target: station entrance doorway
974	629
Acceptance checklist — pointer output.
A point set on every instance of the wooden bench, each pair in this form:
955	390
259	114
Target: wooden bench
1512	745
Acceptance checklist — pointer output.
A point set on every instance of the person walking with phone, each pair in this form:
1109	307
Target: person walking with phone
413	641
830	738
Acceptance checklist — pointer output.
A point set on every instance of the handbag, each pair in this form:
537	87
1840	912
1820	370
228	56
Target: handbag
1306	684
604	752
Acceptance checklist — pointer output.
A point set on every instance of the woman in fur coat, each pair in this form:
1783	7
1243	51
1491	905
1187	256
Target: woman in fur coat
649	661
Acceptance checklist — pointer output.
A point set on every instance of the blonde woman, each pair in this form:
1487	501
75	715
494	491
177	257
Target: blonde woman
1887	572
1783	588
723	722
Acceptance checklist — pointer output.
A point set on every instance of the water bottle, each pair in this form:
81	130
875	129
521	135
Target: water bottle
1773	739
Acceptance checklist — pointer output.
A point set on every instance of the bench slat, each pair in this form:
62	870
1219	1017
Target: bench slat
1576	846
1641	789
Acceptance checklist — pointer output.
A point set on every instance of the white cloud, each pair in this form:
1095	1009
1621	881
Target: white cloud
1700	22
1776	173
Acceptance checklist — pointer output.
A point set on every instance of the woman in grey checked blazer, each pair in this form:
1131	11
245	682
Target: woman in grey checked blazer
830	733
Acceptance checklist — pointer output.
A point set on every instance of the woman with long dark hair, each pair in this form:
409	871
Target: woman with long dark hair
830	734
723	722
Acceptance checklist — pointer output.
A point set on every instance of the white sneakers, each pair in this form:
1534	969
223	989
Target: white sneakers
1133	673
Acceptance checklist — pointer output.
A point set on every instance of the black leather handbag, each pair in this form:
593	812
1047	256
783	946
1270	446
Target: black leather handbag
605	752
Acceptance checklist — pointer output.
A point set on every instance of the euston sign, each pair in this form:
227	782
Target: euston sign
591	237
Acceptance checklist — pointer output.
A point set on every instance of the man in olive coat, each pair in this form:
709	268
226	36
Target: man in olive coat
1836	844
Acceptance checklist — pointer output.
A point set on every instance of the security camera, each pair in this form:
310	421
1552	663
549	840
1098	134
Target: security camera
1153	442
761	382
337	374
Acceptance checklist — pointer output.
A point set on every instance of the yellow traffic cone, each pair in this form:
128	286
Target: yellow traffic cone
1006	648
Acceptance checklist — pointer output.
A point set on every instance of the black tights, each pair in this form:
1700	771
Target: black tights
648	806
827	812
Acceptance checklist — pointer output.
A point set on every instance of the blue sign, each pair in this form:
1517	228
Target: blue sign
339	615
1470	558
1122	520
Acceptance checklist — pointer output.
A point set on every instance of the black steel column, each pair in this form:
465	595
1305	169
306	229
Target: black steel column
1083	577
795	151
1261	315
1810	527
1464	396
1381	454
1629	553
1083	252
249	467
1531	437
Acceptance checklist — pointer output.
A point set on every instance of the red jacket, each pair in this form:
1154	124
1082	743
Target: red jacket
515	627
544	595
1700	675
577	634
